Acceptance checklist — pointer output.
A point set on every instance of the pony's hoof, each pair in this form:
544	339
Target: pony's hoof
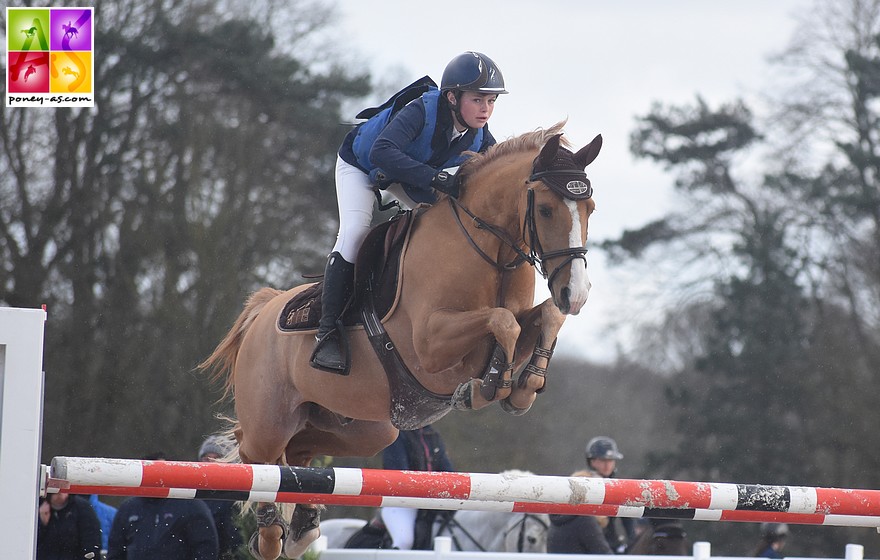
254	548
304	530
508	407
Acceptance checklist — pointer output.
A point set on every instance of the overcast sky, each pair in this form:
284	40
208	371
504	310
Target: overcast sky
600	64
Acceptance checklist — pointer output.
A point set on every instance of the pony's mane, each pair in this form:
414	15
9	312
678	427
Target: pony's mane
527	142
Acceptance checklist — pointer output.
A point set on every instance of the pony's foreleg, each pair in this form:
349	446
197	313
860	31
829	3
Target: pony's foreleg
540	327
449	335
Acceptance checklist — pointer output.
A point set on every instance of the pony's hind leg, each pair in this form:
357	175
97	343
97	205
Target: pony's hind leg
267	447
328	434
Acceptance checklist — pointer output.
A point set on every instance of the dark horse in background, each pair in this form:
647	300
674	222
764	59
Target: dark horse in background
463	329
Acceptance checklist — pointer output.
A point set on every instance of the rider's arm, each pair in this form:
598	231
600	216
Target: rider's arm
388	154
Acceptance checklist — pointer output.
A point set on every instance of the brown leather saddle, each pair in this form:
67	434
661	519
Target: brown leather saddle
377	269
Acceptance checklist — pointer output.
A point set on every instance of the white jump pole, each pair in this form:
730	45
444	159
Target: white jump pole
21	427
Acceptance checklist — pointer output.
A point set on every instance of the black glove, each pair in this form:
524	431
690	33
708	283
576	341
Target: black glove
445	182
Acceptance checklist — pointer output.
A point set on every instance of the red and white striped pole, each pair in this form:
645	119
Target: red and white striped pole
441	490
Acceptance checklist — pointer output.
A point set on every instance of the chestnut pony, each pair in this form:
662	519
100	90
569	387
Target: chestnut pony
463	325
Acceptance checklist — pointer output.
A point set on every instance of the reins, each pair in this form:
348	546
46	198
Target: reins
498	232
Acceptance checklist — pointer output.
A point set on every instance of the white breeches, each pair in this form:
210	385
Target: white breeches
355	197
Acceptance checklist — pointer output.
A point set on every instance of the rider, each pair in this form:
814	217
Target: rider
602	455
404	152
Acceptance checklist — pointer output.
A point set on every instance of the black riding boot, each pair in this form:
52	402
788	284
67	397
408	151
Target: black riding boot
329	354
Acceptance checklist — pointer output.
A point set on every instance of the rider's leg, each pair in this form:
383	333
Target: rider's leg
355	198
338	279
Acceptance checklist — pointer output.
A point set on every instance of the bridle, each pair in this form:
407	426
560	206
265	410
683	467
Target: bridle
536	255
521	537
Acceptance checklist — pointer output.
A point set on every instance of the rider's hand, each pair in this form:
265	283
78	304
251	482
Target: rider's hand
45	512
445	182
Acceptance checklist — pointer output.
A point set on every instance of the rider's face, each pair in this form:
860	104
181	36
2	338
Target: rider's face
603	466
476	108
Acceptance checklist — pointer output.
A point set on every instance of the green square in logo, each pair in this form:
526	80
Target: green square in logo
27	29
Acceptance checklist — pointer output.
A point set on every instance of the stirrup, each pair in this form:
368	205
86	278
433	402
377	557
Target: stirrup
343	353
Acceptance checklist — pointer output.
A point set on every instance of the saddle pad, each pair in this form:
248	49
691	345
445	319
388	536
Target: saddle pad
303	311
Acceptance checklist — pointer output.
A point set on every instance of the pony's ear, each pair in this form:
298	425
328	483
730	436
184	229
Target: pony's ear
548	152
588	153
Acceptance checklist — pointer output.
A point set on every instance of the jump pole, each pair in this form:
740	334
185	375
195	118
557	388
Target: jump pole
475	505
21	427
444	490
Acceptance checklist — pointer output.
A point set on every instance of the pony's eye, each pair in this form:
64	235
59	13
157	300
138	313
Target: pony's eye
545	211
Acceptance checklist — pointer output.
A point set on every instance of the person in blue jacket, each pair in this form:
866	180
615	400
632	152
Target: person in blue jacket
105	513
404	149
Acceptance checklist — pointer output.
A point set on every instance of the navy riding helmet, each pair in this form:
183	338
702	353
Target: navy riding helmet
472	71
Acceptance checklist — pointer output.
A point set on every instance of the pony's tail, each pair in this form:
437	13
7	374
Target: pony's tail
221	361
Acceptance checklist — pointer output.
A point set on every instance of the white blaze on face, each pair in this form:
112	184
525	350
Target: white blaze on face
579	285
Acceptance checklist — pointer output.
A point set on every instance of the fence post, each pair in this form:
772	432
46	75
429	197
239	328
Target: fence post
702	550
442	545
855	552
21	427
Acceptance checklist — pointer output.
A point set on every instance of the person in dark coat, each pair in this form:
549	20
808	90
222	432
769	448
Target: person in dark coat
773	536
68	529
602	455
576	534
421	449
166	528
215	448
661	537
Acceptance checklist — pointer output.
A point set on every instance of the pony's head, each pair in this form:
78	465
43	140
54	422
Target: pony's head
559	204
552	207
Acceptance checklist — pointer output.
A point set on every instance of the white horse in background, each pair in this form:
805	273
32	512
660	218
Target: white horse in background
495	531
487	531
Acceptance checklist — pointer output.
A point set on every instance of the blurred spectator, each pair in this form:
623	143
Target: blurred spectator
215	448
602	456
68	529
772	541
421	449
661	537
577	534
166	528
